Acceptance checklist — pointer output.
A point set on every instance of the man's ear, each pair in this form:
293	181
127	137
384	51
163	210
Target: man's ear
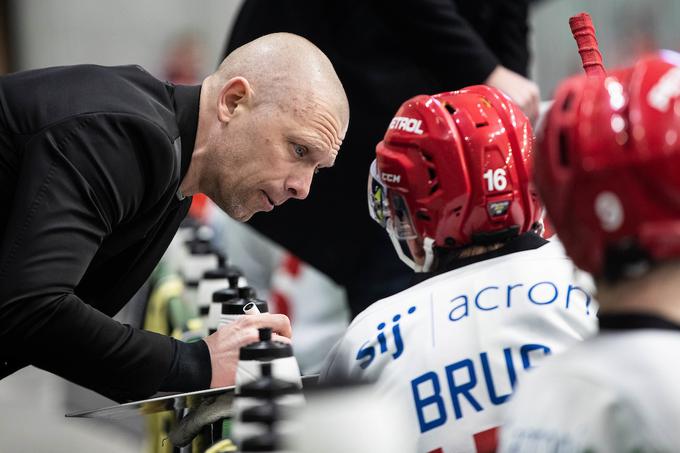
236	92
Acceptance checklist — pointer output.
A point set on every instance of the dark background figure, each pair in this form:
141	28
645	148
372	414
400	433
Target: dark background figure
384	52
4	35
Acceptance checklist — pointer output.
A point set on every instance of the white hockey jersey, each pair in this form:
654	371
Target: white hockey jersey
452	348
615	393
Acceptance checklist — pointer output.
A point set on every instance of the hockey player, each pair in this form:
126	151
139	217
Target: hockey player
451	186
610	157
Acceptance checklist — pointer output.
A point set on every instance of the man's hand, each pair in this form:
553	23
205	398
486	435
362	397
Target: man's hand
523	91
224	345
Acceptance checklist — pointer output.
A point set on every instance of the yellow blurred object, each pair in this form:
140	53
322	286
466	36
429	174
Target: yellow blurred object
223	446
195	324
167	287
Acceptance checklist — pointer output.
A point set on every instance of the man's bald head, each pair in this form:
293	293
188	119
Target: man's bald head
271	116
283	67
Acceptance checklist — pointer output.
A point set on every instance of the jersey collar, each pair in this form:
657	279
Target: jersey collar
634	321
187	100
521	243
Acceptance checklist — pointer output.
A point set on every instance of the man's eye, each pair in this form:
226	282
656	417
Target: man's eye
300	150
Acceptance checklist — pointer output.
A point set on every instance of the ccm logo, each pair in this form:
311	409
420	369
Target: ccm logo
401	123
389	177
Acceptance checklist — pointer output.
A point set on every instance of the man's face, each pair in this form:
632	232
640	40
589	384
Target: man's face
268	155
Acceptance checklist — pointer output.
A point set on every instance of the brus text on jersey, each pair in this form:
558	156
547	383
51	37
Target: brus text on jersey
469	379
432	395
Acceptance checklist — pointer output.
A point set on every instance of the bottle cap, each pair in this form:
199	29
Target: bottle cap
234	306
266	349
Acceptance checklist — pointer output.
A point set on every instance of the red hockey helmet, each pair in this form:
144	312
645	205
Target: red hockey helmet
453	170
608	166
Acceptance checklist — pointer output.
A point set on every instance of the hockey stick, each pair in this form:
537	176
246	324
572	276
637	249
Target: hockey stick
584	33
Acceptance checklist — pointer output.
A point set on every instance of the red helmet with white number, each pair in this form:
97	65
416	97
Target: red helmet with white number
453	170
608	166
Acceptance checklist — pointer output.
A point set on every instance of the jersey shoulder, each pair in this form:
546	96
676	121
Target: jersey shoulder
594	394
550	257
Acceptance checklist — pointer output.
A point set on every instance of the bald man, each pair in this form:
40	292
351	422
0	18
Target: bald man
97	167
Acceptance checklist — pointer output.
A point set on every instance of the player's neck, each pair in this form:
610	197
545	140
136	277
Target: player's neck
476	250
657	293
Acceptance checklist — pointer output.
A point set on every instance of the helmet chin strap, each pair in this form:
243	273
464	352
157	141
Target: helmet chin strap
428	247
540	227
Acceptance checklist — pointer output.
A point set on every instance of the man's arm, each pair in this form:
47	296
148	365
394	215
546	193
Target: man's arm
510	45
77	182
442	39
446	43
510	42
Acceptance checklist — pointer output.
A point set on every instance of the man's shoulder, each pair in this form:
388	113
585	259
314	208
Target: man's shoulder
84	77
41	98
128	90
90	71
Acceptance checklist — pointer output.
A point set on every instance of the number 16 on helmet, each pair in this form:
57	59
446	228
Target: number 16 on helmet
452	171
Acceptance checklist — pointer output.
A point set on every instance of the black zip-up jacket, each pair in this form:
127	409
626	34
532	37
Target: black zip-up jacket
91	158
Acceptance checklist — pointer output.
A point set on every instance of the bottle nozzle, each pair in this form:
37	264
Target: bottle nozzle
233	280
246	292
265	333
221	260
266	369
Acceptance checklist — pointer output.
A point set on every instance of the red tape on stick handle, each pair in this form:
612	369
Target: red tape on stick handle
584	33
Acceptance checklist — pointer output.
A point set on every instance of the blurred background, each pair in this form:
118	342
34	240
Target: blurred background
38	33
182	41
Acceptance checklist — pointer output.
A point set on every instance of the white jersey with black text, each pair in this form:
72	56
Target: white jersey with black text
451	349
615	393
